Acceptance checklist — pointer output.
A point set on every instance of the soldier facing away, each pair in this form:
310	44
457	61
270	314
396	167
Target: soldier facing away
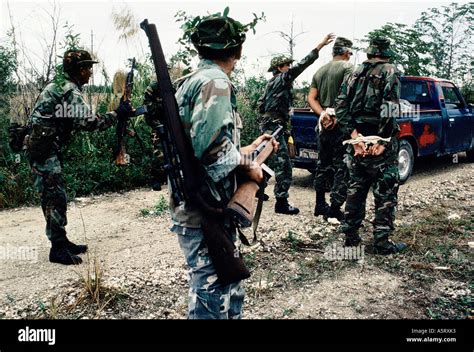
208	110
274	107
367	105
153	102
58	113
331	167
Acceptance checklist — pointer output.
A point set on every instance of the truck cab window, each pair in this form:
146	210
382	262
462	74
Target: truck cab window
417	93
451	98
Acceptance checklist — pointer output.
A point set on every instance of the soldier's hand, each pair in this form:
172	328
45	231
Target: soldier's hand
264	137
255	172
326	40
276	145
250	148
360	149
376	149
124	110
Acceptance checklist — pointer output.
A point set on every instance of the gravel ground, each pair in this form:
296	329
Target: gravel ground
142	272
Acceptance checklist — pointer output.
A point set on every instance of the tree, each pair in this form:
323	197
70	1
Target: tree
290	37
448	33
410	51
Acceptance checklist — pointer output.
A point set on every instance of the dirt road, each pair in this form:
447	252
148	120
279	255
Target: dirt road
291	277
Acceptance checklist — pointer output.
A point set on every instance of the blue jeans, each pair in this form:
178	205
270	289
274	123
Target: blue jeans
208	299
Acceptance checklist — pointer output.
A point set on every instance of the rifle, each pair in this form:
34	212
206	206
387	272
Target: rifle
120	155
185	172
242	205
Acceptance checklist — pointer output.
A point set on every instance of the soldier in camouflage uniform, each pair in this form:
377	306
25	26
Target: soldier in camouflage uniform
208	109
368	104
59	111
331	167
153	103
274	107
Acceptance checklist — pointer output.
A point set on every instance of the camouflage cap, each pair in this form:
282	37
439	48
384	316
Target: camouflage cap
77	58
279	60
342	42
218	32
379	46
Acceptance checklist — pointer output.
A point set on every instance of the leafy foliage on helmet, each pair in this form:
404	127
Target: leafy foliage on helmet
218	32
279	60
215	31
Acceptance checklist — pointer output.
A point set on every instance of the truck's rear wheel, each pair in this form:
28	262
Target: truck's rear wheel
406	160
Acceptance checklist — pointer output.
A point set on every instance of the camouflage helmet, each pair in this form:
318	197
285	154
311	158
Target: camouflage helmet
76	58
379	46
218	32
279	60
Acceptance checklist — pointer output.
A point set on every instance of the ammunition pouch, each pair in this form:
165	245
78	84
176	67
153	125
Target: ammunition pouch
41	141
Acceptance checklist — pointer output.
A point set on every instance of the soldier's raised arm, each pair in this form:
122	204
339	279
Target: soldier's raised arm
309	59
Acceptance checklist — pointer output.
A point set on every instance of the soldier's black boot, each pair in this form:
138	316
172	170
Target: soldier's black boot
75	248
334	212
156	186
60	254
386	247
321	207
283	207
352	240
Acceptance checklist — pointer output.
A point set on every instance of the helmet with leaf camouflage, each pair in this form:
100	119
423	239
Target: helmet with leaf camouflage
279	60
218	32
380	46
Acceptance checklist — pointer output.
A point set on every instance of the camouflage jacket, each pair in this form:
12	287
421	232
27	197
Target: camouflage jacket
154	105
369	100
62	109
275	103
208	110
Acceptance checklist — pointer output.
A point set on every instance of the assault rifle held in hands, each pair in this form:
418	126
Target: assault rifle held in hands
185	173
120	155
242	205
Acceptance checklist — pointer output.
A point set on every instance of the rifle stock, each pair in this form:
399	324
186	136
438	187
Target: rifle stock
242	205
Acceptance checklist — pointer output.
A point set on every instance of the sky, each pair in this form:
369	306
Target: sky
351	19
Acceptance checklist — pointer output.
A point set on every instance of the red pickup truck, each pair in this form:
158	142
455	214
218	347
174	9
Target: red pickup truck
436	120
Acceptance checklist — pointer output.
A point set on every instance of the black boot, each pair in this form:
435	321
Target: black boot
156	186
283	207
352	240
334	212
389	247
75	248
265	197
60	254
321	207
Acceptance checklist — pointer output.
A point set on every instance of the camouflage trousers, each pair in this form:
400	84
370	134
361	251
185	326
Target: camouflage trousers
280	163
207	298
49	183
382	174
332	166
